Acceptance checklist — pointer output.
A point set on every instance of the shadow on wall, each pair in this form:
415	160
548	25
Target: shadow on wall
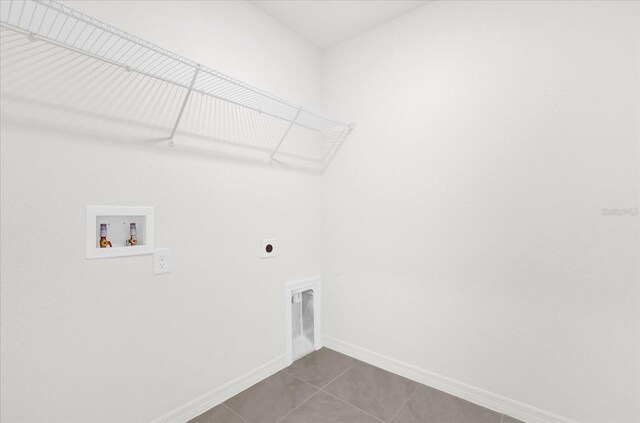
93	127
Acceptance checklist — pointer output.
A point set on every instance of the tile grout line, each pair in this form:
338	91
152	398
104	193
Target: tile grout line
266	380
351	405
356	407
336	378
405	403
233	411
328	383
299	405
320	390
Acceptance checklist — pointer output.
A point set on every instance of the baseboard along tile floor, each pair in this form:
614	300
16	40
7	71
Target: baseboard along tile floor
329	387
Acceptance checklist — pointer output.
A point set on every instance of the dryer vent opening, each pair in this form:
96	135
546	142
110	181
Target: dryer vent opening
303	318
302	323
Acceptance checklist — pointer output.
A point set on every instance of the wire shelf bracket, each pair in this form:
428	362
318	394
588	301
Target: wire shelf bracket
285	134
184	105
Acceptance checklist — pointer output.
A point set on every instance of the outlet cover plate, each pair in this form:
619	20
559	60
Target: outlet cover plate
161	261
268	248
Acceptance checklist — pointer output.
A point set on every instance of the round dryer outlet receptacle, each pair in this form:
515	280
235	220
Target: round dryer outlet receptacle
268	249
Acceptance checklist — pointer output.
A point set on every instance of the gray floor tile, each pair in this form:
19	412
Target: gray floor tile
507	419
323	408
267	401
429	405
376	391
219	414
321	367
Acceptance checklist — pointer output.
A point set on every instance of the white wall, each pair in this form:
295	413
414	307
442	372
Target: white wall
105	340
463	230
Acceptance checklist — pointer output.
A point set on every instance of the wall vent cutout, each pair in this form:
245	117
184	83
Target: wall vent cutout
303	311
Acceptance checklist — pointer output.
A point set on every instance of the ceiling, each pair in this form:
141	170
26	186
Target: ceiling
326	23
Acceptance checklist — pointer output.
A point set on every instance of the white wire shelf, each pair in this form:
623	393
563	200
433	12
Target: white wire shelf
62	59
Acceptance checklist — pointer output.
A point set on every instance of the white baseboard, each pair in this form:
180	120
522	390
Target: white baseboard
194	408
515	409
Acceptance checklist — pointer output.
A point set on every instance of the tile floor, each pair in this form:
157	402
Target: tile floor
329	387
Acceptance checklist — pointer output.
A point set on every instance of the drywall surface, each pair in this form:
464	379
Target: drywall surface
105	340
463	219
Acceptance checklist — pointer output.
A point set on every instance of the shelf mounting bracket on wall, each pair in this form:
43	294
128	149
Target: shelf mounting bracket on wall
293	121
184	104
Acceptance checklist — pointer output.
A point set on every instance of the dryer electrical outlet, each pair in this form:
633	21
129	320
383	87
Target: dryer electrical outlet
268	248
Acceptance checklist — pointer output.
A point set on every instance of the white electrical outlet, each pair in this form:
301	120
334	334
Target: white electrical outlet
161	261
268	248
